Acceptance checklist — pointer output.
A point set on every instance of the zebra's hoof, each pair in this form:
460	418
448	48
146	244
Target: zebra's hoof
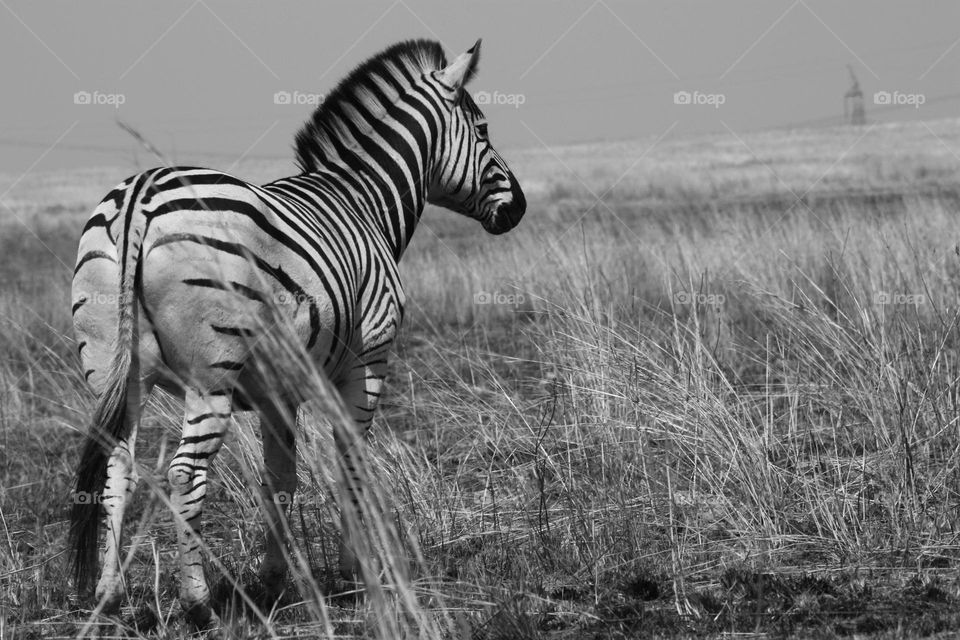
109	600
202	616
272	584
350	569
351	573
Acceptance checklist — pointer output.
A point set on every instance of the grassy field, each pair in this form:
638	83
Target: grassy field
708	386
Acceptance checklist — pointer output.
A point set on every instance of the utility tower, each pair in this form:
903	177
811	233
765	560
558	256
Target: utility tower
853	111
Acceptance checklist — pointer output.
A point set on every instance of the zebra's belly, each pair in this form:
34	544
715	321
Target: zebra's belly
222	323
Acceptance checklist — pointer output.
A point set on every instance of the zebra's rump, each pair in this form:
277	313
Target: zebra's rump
222	264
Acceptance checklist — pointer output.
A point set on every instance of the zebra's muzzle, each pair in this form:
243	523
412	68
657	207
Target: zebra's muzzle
509	213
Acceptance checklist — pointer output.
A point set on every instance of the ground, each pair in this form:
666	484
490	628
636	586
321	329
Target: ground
707	387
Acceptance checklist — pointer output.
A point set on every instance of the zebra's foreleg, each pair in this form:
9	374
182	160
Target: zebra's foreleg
278	426
205	423
361	393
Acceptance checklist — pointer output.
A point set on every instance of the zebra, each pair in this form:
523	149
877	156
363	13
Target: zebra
177	268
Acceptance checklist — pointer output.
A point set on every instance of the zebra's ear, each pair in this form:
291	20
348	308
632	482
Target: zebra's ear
459	72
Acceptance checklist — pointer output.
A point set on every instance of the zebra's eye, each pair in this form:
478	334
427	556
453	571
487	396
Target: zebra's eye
482	129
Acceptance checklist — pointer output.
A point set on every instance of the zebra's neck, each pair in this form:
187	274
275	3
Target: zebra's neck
377	131
387	192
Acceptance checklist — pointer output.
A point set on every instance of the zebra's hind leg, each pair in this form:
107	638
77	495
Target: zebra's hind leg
122	478
278	426
205	423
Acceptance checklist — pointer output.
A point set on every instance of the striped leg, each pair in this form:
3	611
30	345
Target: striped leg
121	482
204	426
361	393
278	426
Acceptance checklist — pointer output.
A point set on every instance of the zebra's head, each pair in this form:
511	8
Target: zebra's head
469	175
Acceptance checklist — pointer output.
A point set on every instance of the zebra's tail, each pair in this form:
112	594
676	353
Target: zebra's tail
112	420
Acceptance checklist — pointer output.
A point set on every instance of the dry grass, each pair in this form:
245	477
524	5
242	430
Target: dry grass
695	408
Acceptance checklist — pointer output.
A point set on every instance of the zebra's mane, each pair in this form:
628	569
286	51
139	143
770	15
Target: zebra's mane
414	57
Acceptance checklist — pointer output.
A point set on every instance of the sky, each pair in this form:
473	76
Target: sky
209	80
